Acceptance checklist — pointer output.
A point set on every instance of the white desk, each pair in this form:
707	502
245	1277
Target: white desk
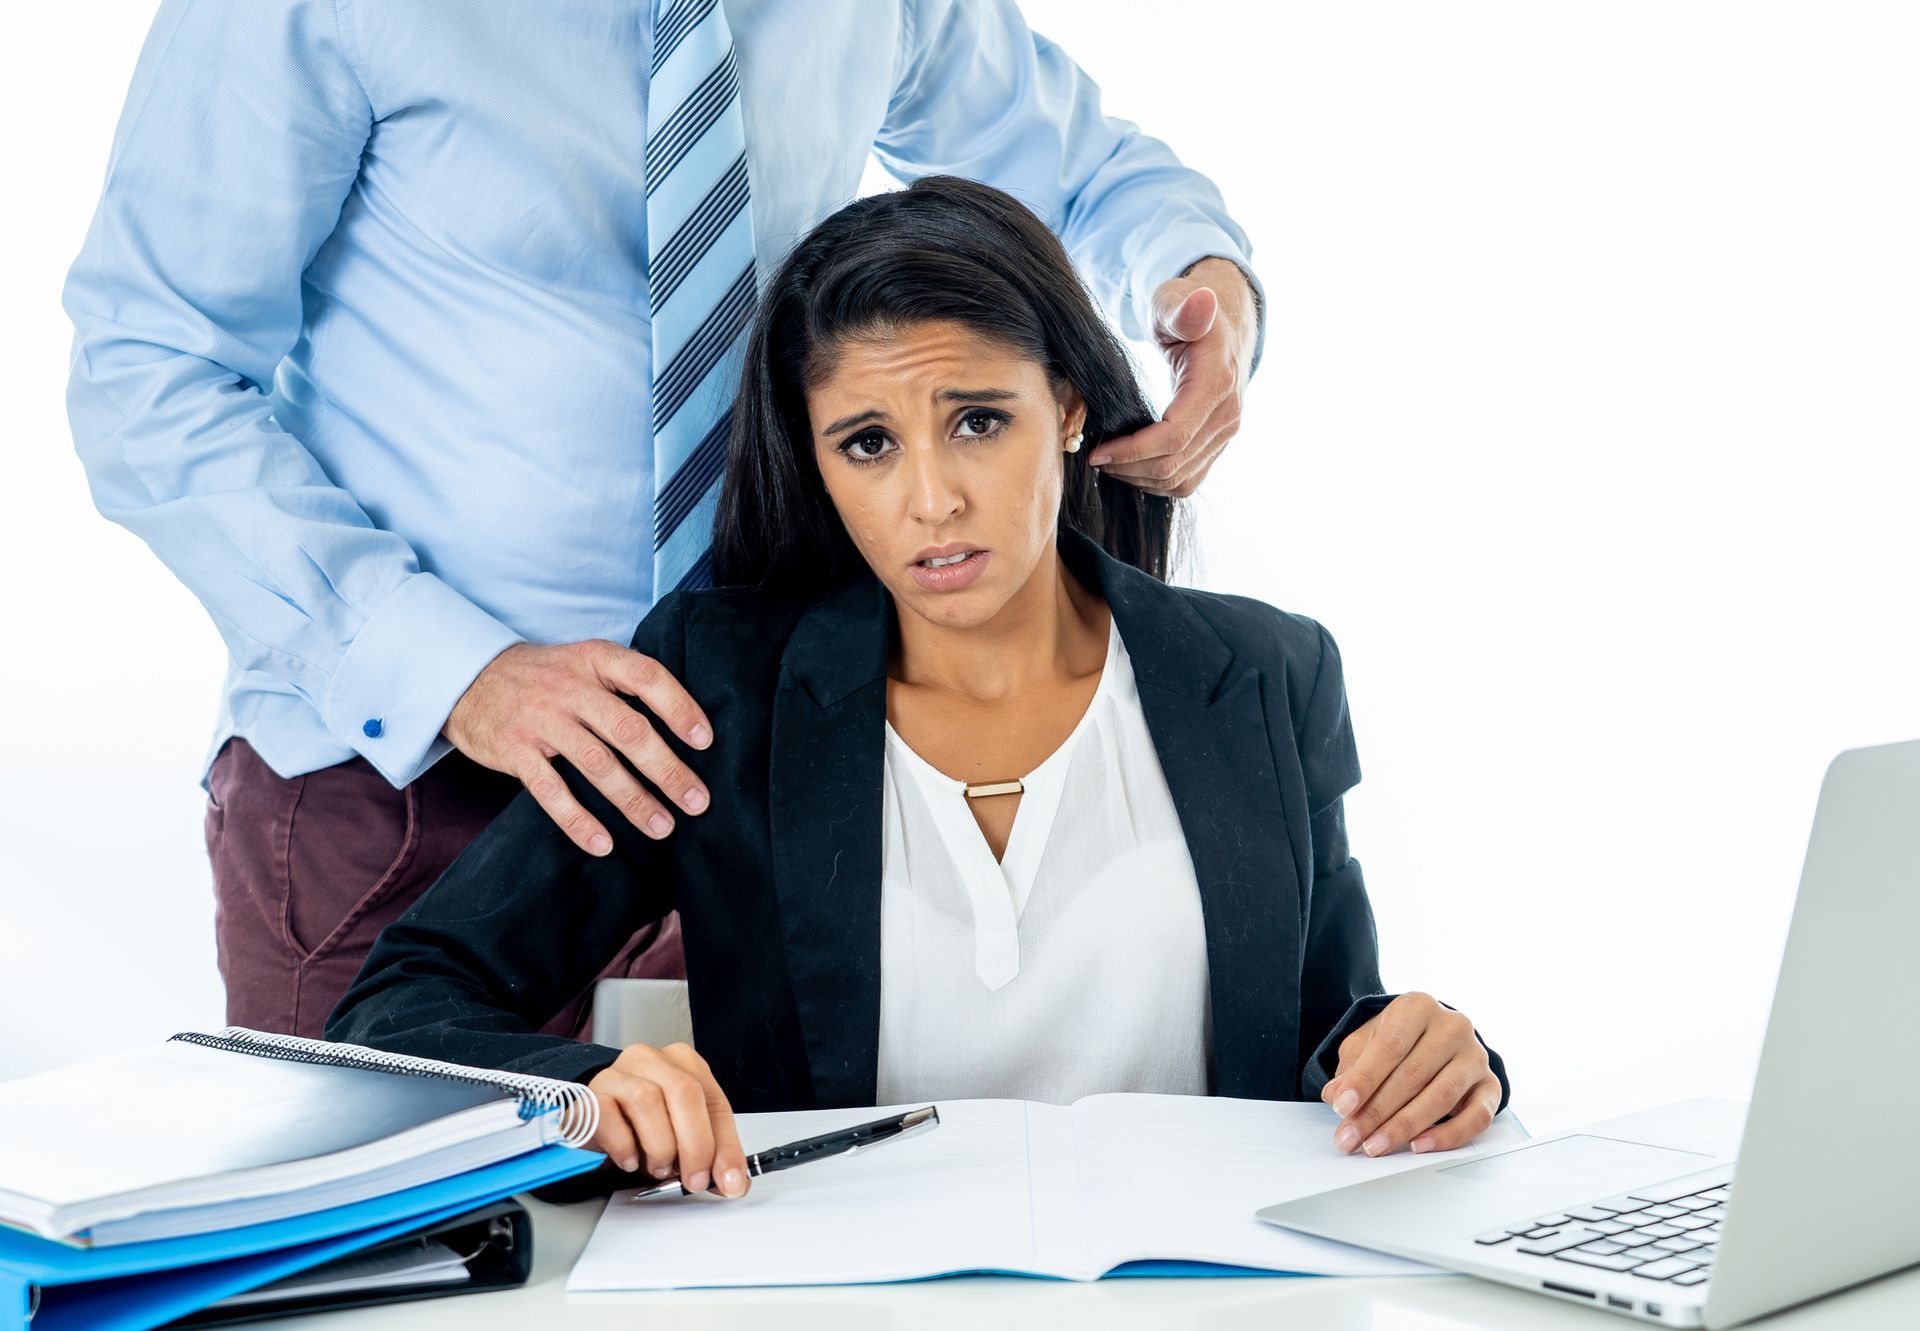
1405	1303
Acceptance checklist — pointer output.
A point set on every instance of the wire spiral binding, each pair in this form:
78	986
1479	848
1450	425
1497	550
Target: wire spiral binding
578	1108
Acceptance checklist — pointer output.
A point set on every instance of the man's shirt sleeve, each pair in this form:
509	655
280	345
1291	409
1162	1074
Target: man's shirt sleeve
240	139
979	94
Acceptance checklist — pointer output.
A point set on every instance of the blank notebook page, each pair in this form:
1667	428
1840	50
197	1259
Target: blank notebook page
1008	1185
950	1199
1213	1170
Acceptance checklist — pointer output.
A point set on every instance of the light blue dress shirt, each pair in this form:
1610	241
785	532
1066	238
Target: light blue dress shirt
361	321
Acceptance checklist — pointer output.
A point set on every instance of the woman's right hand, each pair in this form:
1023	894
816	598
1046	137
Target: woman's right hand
664	1107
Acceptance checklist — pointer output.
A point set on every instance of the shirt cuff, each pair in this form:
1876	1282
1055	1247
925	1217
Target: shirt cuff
405	670
1165	256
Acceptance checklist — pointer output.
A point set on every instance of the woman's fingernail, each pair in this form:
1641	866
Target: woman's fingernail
1376	1143
659	824
700	736
660	1171
1346	1137
698	1183
600	845
1347	1103
696	800
630	1163
734	1183
1421	1144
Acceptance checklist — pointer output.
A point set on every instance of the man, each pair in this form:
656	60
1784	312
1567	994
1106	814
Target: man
405	334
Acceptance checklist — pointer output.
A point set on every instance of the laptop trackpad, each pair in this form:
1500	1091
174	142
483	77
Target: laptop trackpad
1583	1161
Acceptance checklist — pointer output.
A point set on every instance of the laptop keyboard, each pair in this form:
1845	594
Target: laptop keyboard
1660	1233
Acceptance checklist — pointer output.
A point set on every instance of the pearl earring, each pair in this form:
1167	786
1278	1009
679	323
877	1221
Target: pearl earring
1073	444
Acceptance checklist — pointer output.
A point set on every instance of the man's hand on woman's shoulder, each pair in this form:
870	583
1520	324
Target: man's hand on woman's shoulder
532	704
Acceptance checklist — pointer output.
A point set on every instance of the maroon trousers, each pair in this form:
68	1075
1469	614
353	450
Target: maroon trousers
308	870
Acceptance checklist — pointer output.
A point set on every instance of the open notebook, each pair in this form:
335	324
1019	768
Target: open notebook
1011	1186
206	1132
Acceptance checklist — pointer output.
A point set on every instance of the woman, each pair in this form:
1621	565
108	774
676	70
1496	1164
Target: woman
996	811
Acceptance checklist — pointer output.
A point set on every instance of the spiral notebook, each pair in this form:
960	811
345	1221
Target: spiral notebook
206	1132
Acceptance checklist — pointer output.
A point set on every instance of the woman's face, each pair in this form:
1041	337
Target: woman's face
935	443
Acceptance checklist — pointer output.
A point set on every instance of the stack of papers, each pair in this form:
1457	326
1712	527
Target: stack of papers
383	1270
143	1186
182	1139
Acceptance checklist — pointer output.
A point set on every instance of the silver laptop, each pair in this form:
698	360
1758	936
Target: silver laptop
1652	1215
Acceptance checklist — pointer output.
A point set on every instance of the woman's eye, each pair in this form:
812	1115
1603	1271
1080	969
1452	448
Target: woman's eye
854	446
993	419
872	446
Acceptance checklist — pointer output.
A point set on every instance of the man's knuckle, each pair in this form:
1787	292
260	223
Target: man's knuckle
596	760
631	730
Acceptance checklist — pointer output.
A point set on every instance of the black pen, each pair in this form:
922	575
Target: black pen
845	1141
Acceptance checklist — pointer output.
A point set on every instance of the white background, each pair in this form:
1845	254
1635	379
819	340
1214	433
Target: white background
1587	424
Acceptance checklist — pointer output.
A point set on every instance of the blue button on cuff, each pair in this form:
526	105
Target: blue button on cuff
372	728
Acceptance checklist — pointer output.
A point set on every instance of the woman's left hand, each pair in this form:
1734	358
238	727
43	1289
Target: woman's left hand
1412	1064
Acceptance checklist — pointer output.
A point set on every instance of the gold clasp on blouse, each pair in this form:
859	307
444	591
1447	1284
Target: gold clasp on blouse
986	788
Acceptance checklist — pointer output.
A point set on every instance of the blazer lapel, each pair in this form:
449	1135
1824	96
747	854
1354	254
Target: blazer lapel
825	808
1208	721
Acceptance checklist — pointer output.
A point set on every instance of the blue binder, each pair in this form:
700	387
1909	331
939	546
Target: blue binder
135	1286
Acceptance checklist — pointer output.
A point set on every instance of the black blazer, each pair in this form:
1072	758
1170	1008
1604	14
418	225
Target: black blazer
778	883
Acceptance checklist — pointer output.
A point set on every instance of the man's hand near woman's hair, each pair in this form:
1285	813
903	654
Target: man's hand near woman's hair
1207	322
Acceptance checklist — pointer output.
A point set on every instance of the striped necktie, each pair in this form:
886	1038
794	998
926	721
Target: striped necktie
699	275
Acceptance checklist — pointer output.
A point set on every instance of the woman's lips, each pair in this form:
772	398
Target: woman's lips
951	577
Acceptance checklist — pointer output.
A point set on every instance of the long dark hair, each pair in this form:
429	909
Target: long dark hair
944	248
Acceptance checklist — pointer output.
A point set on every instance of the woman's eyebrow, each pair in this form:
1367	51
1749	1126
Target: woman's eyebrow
944	395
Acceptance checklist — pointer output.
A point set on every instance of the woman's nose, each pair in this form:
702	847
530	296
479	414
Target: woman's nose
933	497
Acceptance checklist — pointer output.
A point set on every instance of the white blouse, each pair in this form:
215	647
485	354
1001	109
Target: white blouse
1075	964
